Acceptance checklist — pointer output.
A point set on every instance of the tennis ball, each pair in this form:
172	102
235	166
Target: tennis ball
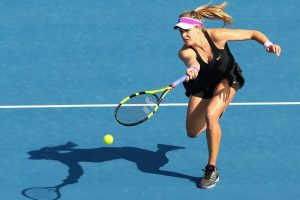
108	139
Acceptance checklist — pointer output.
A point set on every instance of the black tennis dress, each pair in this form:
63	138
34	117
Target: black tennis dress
223	66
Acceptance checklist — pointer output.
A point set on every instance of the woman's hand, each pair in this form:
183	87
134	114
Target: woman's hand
192	72
273	48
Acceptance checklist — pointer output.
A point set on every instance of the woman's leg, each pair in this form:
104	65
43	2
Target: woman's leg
223	95
195	118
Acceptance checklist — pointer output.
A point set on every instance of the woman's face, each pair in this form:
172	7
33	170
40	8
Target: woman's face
189	36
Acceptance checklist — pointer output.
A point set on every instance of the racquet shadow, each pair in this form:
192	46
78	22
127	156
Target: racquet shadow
147	161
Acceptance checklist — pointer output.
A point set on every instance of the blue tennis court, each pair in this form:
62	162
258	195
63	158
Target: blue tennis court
65	64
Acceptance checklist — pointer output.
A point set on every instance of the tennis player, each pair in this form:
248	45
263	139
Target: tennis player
213	75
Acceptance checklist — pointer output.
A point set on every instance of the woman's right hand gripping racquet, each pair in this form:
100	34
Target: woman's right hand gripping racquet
139	107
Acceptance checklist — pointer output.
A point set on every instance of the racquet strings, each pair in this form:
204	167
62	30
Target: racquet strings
137	108
41	193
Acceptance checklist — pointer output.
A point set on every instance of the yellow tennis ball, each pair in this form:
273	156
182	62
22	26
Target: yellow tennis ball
108	139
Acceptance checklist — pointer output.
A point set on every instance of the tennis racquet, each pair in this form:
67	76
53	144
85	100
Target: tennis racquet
141	106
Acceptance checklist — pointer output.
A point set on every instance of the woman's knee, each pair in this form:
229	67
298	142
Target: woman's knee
193	132
212	118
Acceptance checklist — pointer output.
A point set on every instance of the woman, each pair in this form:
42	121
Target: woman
213	75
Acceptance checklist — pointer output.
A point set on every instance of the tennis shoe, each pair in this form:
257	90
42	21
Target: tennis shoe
210	177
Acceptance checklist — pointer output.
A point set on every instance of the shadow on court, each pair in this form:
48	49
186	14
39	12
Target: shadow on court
146	161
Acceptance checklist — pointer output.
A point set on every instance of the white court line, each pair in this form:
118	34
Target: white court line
162	104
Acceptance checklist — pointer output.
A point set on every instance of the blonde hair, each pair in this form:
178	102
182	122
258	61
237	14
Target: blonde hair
214	12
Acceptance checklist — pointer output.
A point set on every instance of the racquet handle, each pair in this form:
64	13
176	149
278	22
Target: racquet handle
178	81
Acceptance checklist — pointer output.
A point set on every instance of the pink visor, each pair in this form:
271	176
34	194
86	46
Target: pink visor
187	23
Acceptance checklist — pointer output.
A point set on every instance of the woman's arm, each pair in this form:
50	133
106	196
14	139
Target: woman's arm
188	56
221	36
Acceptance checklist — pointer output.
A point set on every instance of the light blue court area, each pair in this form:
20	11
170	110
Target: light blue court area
96	53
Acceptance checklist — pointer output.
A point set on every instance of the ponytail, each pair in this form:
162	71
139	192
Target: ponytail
215	12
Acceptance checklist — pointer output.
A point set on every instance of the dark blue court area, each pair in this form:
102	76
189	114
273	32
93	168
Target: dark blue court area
77	52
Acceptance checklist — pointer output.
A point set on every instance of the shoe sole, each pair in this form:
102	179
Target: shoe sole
211	185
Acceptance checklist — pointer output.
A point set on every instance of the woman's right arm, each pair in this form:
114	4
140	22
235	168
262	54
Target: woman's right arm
188	56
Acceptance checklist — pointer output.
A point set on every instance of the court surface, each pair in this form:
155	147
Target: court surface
94	53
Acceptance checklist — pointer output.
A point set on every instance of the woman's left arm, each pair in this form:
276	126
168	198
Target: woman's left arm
223	35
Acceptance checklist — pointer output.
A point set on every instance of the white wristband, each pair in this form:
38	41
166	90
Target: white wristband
267	44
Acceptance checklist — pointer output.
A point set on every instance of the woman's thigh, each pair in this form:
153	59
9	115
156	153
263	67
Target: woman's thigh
195	118
201	110
223	95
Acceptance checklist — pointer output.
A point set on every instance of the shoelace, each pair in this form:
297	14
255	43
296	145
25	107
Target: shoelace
208	174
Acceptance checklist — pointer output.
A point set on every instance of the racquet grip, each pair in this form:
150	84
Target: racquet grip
178	81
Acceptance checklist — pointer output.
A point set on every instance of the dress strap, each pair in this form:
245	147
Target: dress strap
210	41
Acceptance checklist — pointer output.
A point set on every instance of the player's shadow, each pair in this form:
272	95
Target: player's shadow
146	161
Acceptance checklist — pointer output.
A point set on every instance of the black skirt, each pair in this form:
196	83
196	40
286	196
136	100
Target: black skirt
204	86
